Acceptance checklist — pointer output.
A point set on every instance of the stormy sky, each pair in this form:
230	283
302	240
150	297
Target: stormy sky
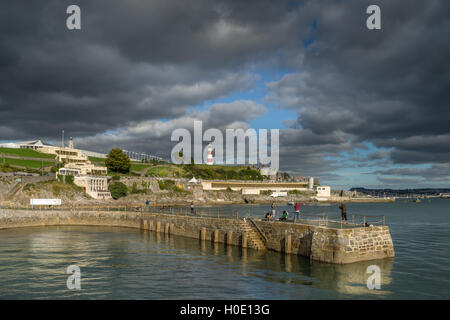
355	107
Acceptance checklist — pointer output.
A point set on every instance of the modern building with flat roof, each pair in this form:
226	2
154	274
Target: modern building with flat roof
255	187
74	159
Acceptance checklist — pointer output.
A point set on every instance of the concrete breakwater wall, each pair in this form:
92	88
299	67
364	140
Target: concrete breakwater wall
318	243
330	245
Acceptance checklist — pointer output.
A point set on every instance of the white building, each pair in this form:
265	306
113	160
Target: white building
69	172
323	193
32	144
253	187
96	187
311	183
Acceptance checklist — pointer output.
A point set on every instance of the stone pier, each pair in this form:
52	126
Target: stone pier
319	243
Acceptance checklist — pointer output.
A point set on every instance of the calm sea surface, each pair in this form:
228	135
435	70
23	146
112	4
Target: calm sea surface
122	263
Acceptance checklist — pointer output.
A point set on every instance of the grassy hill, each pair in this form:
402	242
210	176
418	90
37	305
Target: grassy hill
206	172
216	172
135	165
166	170
25	153
32	164
9	162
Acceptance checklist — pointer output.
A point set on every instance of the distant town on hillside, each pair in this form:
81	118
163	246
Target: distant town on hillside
402	192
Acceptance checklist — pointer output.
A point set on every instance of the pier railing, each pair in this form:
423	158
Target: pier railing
320	220
354	220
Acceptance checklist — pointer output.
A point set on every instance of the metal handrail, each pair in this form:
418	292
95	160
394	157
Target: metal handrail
259	230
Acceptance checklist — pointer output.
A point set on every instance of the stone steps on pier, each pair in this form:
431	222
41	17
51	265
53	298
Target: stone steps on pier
253	237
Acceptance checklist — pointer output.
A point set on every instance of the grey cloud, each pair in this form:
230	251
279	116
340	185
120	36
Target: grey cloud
130	62
436	172
380	86
154	135
136	71
378	155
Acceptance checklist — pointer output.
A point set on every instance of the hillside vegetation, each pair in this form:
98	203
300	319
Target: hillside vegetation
206	172
32	164
29	153
148	169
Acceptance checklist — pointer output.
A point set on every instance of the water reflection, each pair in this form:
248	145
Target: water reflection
126	263
352	278
349	279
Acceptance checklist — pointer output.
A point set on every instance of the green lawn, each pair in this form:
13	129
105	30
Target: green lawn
222	172
102	161
139	167
25	153
97	160
135	166
33	164
166	171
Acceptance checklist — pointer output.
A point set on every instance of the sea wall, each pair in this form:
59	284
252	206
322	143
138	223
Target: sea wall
328	244
221	230
319	243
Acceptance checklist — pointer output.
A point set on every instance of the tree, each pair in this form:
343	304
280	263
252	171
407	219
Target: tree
118	190
117	161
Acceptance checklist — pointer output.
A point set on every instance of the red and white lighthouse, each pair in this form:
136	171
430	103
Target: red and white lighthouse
209	159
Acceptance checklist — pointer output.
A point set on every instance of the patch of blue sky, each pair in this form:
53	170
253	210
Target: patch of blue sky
292	5
112	131
275	117
349	179
307	42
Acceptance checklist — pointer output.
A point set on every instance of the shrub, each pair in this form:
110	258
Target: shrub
68	178
118	190
28	187
6	167
56	190
166	184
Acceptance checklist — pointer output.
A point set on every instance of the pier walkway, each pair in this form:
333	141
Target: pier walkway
318	242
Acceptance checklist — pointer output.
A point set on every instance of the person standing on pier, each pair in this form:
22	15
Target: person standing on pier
343	211
192	208
273	210
297	207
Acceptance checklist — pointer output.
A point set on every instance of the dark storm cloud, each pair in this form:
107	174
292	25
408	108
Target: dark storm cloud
389	87
134	60
135	63
154	135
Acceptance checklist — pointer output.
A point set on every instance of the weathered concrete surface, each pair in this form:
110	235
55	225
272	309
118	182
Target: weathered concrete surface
329	244
319	243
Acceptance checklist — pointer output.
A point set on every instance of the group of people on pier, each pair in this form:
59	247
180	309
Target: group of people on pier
272	213
297	207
